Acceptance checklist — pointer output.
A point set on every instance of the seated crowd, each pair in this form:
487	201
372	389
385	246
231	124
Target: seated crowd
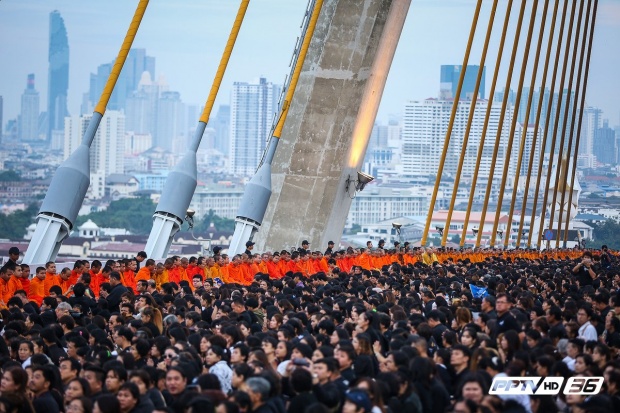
404	330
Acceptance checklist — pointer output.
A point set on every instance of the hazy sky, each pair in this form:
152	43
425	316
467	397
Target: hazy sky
187	37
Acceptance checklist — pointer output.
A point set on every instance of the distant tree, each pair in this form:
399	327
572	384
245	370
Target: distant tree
221	224
606	233
9	175
13	226
132	214
456	239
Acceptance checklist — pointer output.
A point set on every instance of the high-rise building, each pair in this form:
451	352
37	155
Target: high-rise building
29	115
58	75
221	125
253	106
170	133
424	128
1	118
142	106
106	152
528	147
450	75
546	112
128	81
592	120
605	145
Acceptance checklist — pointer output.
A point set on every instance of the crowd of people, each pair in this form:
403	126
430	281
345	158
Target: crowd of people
368	330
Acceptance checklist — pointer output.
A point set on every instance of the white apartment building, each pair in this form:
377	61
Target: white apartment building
106	152
252	109
383	203
223	200
424	127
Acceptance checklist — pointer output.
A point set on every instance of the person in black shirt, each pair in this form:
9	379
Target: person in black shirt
584	271
41	384
345	354
505	320
330	248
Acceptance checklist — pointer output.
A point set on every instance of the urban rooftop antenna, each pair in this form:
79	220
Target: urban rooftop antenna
60	208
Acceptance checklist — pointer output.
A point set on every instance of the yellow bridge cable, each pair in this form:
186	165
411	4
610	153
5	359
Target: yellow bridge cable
455	104
122	56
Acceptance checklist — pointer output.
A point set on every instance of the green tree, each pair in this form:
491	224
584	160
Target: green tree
607	233
133	214
9	175
456	238
13	226
222	224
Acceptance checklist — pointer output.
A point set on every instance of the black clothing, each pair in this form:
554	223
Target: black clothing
507	322
365	366
301	401
438	331
348	375
84	302
492	314
145	405
45	403
56	353
114	298
445	377
152	328
583	276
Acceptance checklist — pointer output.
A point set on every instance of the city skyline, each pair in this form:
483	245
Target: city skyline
95	34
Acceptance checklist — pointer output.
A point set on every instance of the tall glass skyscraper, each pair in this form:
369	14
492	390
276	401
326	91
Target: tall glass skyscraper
58	75
450	75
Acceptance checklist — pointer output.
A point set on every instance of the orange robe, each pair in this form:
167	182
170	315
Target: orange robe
305	267
73	278
161	279
224	274
247	274
50	281
36	292
144	274
193	270
130	280
235	274
283	267
174	275
273	270
25	282
262	267
8	288
213	272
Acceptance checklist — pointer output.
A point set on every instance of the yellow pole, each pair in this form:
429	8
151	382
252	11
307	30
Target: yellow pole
300	60
455	105
573	101
525	129
221	69
583	98
122	56
547	130
557	115
536	126
513	126
472	109
500	126
498	61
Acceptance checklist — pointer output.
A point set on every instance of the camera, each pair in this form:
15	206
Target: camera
301	362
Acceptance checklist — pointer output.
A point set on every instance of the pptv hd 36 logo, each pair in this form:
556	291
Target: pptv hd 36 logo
546	385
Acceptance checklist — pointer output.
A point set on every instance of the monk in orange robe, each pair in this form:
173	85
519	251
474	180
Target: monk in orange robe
36	292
